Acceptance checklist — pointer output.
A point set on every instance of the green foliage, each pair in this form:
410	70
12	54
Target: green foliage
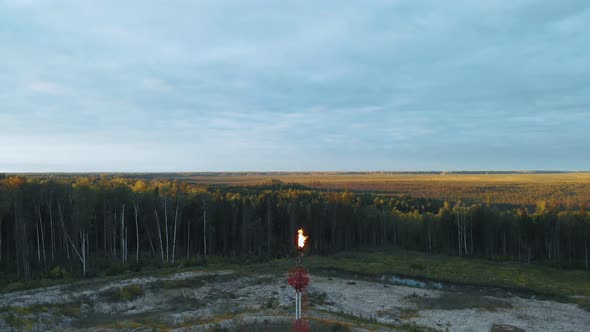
192	262
318	298
116	268
271	303
162	221
58	273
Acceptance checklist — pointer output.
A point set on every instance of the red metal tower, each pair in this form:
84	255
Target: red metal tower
299	279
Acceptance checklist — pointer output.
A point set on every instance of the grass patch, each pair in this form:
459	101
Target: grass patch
70	310
221	295
127	325
505	328
583	303
267	326
330	327
318	298
458	301
33	309
127	293
407	313
413	327
21	318
349	320
478	272
272	302
180	283
32	284
17	321
194	282
19	313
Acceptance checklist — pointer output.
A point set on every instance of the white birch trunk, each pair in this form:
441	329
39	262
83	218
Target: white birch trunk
166	227
123	233
126	243
38	245
104	229
84	240
114	240
268	229
42	228
82	257
51	229
1	217
205	232
174	236
136	233
586	251
188	241
159	234
465	237
63	226
459	233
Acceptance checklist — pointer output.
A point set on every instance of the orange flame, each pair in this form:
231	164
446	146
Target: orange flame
301	239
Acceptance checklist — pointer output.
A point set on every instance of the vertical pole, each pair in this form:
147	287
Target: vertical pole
298	302
299	321
298	311
300	296
297	305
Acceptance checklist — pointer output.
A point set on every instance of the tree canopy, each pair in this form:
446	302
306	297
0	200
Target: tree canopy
79	222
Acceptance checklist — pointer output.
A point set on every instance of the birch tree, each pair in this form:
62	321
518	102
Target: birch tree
139	189
83	201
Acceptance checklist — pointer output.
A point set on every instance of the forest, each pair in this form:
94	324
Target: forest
85	224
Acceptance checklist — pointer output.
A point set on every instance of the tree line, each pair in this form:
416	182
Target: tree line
76	222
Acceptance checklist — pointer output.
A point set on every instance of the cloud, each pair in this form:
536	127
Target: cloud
46	87
156	84
256	85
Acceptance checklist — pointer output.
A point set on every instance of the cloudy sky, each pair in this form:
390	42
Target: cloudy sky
294	85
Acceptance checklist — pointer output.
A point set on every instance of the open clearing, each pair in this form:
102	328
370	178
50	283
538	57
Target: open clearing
502	188
201	300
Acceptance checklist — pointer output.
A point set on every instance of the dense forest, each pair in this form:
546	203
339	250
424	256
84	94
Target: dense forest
79	223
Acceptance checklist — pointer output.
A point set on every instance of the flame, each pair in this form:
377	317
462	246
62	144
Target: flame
301	239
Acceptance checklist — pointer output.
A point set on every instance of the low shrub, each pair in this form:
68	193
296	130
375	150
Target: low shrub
127	293
58	273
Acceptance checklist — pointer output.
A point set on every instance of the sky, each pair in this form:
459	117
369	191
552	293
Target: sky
152	86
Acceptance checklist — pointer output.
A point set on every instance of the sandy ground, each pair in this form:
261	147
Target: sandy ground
201	300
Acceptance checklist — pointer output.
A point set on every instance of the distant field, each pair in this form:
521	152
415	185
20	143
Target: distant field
514	188
568	189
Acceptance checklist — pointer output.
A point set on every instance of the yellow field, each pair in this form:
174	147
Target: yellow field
567	189
521	188
341	177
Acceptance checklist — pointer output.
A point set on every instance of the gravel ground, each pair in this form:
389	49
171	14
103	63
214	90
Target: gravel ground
201	300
